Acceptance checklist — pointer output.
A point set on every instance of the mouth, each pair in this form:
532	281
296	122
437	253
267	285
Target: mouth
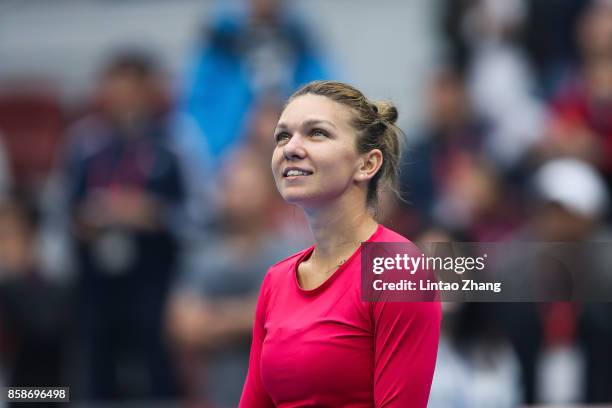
296	172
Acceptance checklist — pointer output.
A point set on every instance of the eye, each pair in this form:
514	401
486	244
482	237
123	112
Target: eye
281	137
319	132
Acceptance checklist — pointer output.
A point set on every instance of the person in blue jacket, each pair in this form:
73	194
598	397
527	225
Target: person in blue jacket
259	52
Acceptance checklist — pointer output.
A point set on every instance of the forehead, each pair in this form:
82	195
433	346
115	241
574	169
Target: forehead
315	107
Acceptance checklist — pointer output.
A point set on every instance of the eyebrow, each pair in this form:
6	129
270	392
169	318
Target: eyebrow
308	122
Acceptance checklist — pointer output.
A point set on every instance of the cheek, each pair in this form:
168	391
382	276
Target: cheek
339	174
276	164
337	164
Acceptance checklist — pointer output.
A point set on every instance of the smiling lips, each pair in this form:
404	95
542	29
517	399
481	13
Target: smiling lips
296	172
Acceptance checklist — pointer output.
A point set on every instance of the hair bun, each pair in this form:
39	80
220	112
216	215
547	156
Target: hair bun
386	111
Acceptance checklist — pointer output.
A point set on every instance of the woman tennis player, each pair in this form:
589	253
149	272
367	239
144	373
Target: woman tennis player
315	342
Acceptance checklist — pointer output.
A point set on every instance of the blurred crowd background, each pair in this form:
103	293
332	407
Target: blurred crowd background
138	213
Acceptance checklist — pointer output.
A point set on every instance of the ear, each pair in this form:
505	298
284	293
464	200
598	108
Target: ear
371	163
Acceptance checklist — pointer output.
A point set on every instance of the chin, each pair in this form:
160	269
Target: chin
307	201
296	199
299	198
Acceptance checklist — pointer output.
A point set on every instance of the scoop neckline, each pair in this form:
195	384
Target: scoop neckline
335	274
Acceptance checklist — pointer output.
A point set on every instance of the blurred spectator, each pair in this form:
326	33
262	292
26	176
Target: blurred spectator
484	38
562	359
549	39
451	27
210	315
446	177
581	112
476	365
452	128
492	369
500	80
30	144
596	336
579	194
259	52
125	192
260	126
450	384
34	312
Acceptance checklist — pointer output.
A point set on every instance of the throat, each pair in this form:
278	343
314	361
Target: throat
310	279
312	273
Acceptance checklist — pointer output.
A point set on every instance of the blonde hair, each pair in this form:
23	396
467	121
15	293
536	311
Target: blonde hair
374	122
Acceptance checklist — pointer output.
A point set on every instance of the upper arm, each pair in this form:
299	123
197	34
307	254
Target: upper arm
254	394
406	338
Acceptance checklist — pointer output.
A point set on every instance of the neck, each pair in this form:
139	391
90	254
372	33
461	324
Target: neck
340	227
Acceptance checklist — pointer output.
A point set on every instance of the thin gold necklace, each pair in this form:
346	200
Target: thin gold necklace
342	261
335	267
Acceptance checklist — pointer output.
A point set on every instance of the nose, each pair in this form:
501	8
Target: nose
294	149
